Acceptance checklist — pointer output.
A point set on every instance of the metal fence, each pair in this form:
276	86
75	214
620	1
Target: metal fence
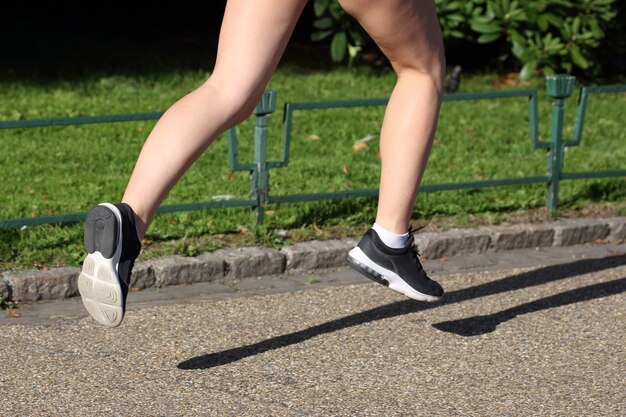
559	87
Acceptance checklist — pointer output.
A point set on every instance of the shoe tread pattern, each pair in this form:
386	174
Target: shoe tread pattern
101	231
101	296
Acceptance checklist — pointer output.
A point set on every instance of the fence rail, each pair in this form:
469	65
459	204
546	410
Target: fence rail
559	87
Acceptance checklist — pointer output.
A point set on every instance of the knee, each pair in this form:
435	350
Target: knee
243	104
437	69
235	100
432	68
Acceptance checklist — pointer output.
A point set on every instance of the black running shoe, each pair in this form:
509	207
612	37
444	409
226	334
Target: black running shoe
112	245
398	269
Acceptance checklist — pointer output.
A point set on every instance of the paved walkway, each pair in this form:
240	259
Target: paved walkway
520	333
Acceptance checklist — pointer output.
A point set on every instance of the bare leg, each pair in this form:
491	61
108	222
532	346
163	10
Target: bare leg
407	31
252	39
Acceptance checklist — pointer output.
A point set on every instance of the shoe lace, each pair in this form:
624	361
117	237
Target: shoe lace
411	243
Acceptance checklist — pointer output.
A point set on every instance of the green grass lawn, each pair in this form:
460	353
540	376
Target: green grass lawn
58	170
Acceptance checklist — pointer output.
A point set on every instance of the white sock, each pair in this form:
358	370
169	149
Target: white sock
392	240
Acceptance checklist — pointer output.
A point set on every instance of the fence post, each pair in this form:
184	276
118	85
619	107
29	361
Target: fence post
559	87
259	181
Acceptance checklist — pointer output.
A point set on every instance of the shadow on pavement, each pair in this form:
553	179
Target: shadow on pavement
515	282
477	325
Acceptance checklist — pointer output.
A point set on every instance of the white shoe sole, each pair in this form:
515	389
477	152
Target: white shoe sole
358	260
99	285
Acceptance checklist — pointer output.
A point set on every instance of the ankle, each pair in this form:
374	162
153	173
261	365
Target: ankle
391	239
141	227
141	222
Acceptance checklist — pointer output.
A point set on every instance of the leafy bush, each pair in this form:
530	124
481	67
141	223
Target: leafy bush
454	17
544	35
539	36
347	34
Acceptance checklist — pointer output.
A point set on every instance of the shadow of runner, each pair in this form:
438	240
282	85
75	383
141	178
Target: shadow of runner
512	283
477	325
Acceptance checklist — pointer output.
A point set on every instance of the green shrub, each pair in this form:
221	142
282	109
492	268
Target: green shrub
538	36
544	36
347	35
454	18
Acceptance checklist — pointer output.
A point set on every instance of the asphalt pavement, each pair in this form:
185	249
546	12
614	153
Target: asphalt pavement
519	333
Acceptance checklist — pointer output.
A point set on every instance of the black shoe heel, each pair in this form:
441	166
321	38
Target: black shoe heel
101	231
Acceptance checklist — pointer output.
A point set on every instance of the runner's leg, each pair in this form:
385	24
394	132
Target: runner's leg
408	33
252	39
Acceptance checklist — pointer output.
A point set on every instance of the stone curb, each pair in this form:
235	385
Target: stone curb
236	263
317	254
